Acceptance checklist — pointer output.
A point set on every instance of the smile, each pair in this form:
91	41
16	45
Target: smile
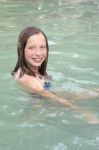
37	59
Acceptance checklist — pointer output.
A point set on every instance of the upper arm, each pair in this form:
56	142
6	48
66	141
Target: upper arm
30	83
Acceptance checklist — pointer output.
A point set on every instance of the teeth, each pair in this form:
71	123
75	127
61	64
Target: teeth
37	59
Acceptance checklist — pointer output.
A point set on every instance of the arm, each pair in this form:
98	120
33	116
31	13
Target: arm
82	95
32	85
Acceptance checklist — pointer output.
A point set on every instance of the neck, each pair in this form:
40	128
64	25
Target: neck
34	69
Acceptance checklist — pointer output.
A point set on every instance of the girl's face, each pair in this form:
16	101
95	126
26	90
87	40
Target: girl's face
35	50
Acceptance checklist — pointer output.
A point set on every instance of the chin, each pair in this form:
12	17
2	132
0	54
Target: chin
36	64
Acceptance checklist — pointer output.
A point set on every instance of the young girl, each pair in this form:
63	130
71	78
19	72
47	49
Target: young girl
30	70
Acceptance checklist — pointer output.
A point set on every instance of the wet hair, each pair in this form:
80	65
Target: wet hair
21	62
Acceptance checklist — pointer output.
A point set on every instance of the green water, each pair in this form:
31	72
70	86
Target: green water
72	28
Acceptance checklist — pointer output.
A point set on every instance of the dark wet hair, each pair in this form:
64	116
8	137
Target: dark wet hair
21	62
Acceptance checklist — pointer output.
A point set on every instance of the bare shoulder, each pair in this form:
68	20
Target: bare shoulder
28	82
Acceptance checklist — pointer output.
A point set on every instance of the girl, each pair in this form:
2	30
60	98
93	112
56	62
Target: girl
30	70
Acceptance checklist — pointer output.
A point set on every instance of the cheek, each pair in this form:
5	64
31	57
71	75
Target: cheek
45	53
27	53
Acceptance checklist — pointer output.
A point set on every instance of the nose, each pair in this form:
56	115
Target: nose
38	51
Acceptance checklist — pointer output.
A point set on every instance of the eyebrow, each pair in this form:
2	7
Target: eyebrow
40	45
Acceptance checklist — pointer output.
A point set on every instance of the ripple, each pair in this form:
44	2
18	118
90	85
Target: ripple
81	81
85	70
18	112
60	146
65	122
26	124
56	53
53	115
51	43
75	55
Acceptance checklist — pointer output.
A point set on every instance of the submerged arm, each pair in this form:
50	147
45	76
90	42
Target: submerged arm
31	84
82	95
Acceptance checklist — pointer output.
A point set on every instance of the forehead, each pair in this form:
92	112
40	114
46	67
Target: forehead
37	39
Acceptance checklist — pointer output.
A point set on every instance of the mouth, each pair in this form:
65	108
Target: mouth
37	60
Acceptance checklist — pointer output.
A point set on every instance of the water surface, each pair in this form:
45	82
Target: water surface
72	28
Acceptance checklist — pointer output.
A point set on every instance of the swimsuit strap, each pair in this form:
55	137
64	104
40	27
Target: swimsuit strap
47	85
46	82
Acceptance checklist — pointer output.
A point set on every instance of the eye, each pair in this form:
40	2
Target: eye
43	47
32	47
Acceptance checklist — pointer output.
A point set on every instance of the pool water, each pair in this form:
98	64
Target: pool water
72	28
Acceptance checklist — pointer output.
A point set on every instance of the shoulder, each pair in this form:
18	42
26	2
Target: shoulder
28	82
17	74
